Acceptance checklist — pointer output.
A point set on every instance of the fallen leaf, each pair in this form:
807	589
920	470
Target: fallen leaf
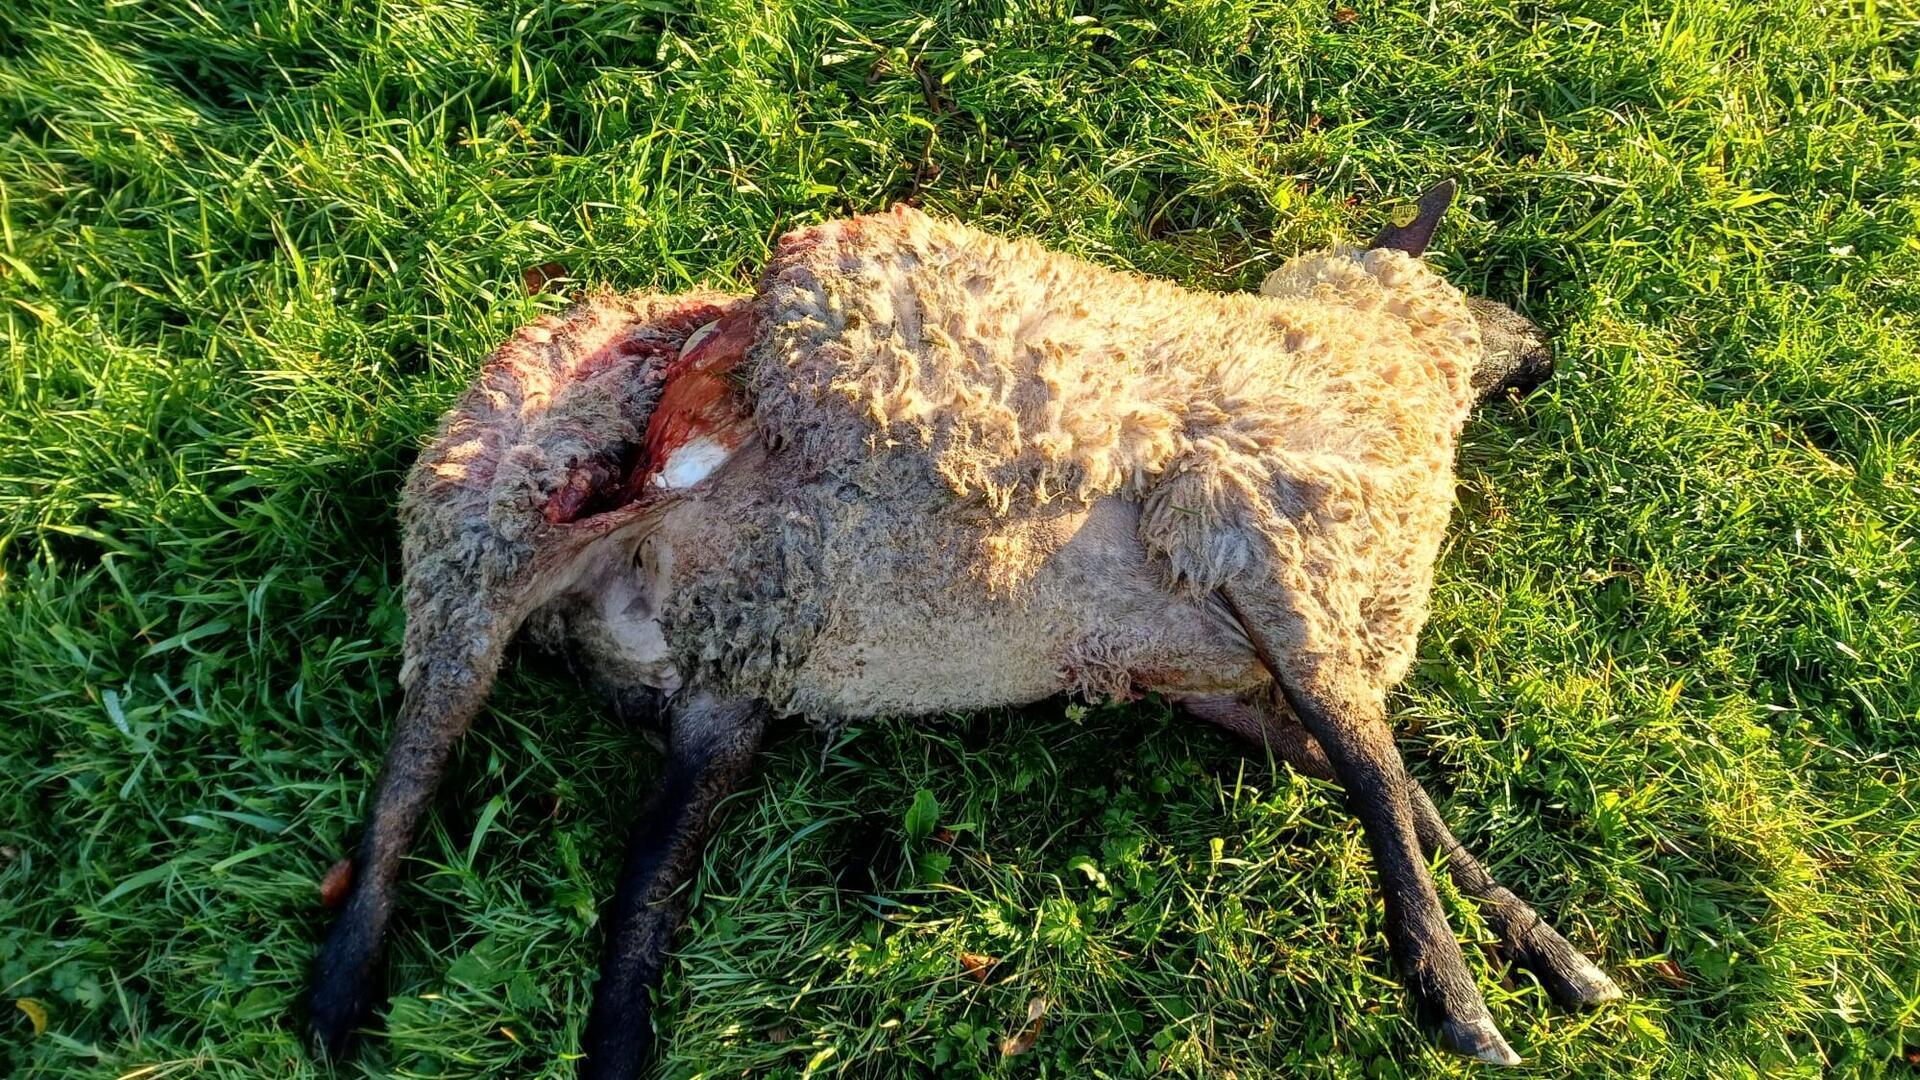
537	278
978	965
1671	972
336	885
36	1013
1015	1045
1345	15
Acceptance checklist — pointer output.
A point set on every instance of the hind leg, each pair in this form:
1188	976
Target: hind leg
1525	938
712	744
1345	713
436	712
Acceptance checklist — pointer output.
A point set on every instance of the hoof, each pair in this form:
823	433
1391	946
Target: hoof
1588	987
333	1033
1478	1039
1572	980
343	992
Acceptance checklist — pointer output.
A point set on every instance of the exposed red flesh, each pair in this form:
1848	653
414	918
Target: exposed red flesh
699	400
695	400
582	485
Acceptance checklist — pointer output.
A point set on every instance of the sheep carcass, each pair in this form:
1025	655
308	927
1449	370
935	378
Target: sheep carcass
924	469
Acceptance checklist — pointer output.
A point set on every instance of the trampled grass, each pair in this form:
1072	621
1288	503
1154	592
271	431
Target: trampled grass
1671	690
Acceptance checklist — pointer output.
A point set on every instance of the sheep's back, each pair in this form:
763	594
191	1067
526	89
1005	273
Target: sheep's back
1024	375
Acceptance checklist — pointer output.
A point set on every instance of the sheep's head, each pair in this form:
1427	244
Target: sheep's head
1516	356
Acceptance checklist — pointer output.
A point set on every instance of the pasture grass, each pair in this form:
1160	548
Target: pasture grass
1671	689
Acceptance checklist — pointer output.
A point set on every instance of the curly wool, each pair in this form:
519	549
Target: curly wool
939	410
1305	434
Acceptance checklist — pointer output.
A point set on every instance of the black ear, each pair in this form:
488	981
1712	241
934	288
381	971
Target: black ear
1414	237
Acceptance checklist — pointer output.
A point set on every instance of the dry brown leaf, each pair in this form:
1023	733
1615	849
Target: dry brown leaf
537	278
1671	972
1345	15
931	89
1015	1045
336	885
978	965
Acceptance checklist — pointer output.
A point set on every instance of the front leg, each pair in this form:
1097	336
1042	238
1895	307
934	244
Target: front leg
1346	716
712	744
1569	977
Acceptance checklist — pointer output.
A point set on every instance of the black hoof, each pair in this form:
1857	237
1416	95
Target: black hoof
1477	1038
1572	980
343	986
335	1018
619	1052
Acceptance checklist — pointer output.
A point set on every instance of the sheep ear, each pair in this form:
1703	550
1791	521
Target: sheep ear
1414	237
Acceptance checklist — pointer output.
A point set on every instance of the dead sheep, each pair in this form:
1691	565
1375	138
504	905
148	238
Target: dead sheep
923	469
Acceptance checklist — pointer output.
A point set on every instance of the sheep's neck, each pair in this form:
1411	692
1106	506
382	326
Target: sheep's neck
701	419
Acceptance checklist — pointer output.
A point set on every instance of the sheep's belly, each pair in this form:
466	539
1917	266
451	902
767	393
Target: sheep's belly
1093	619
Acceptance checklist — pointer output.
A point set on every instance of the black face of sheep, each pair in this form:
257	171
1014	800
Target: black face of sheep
1516	359
924	470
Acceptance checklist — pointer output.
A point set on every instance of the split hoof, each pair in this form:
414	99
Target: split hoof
1572	980
1478	1039
1585	987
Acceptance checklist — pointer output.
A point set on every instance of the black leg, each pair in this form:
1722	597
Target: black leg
713	744
437	710
1525	938
1570	978
1346	716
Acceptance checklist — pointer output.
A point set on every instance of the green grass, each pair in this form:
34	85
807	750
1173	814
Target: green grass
1671	691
